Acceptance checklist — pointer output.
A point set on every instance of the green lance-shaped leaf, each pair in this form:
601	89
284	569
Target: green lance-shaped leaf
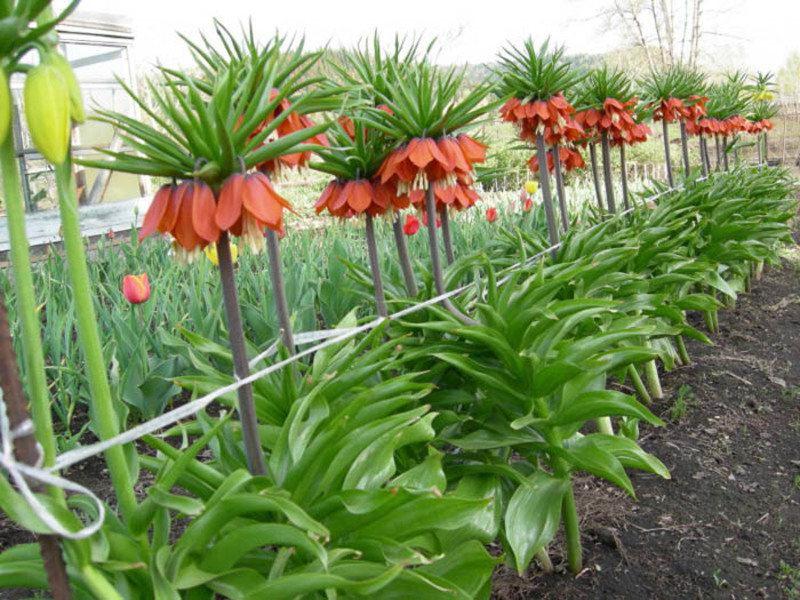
533	516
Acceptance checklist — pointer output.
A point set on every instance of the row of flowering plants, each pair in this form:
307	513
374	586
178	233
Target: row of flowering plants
381	466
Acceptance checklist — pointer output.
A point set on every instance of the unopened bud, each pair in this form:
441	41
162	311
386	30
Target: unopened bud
47	112
76	110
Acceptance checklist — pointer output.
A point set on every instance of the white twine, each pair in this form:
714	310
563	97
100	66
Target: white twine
19	471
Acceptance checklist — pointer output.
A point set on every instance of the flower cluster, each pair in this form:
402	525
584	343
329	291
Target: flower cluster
617	119
350	198
570	158
447	162
194	217
553	118
293	123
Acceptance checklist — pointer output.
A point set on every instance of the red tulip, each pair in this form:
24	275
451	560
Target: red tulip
491	215
136	288
411	226
528	205
425	220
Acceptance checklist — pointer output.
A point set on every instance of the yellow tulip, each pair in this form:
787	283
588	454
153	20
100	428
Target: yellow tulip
211	254
531	187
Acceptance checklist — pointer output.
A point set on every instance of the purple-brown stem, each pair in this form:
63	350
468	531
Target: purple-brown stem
247	409
26	451
375	268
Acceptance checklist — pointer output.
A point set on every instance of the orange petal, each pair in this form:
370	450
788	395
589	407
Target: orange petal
203	209
229	208
259	204
156	211
184	231
361	196
419	153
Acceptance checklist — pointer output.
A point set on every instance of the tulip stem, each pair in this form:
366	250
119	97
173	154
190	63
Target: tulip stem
623	167
606	147
26	304
596	175
104	415
719	152
562	196
665	129
375	268
544	183
279	290
687	169
436	264
247	410
448	242
766	149
402	254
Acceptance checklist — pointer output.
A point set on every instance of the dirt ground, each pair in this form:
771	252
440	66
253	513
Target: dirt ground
727	525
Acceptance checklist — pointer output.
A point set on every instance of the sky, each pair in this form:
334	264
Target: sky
751	34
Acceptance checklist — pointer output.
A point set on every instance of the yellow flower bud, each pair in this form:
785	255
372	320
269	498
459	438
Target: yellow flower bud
5	106
76	110
47	112
531	187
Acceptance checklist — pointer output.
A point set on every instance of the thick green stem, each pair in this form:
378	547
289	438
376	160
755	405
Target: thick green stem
98	584
638	384
104	417
544	560
651	376
572	532
604	425
682	350
26	304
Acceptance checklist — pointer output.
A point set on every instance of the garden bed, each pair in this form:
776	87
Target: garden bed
730	516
